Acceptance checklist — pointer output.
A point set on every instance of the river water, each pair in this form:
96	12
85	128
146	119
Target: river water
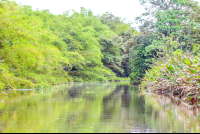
95	108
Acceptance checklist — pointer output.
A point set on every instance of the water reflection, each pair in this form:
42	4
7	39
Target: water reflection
175	102
95	108
175	115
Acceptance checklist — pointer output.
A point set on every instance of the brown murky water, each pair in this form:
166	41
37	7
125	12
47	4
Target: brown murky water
92	108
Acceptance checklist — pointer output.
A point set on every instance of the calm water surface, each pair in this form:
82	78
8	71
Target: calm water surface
95	108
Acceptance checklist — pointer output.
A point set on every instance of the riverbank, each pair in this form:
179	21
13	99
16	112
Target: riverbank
176	103
69	84
175	76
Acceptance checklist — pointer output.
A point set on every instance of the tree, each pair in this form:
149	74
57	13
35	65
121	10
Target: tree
158	10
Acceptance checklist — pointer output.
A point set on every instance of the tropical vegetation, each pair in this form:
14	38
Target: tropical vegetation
38	48
168	49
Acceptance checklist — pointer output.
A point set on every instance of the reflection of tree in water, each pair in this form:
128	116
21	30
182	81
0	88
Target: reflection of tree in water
127	100
138	103
170	114
175	103
122	96
68	93
126	107
75	91
126	97
110	102
78	91
109	97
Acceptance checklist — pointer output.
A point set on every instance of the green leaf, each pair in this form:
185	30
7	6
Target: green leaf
193	71
188	62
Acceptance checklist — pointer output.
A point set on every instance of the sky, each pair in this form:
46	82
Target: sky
128	9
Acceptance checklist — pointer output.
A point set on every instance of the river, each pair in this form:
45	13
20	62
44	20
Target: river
94	108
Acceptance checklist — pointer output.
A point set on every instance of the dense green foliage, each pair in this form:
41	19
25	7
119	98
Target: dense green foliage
166	53
165	27
38	48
